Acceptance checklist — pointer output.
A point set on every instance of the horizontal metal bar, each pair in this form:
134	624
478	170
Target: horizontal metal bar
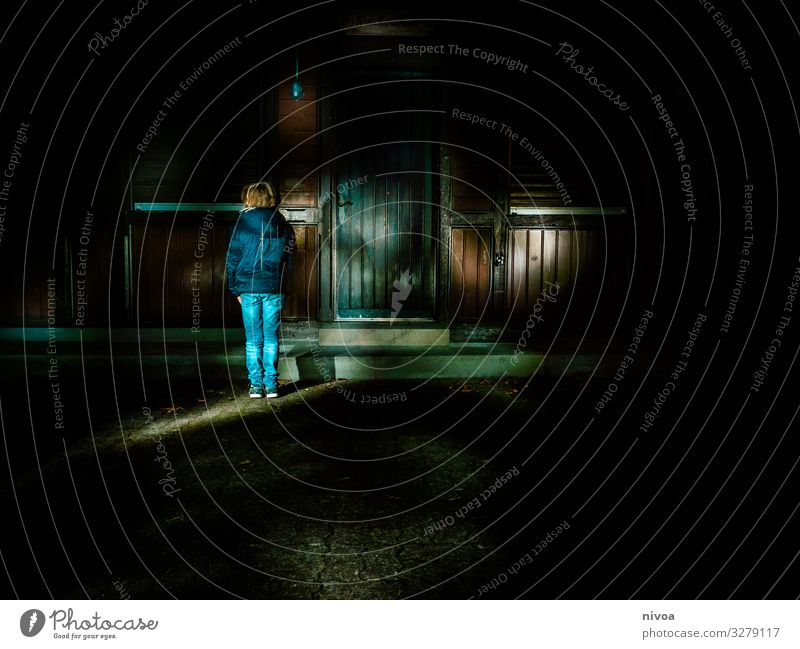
187	207
237	207
399	321
577	211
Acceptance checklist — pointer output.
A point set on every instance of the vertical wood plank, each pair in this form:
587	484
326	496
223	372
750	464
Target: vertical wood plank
470	261
564	261
539	257
516	290
457	273
550	257
485	268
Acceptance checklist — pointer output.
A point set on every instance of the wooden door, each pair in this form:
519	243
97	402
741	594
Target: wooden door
470	273
383	229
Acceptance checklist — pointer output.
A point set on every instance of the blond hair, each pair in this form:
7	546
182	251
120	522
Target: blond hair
259	195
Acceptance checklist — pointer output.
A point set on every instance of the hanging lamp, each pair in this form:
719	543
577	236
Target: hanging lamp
297	87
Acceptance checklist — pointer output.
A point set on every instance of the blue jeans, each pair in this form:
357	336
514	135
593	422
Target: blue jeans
261	313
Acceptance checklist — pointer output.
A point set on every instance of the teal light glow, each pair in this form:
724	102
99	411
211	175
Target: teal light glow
297	88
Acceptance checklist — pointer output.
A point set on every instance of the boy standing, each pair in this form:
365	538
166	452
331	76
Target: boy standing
258	254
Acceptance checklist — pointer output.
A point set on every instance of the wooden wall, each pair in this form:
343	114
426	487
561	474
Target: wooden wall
296	153
204	165
164	281
85	264
162	272
582	270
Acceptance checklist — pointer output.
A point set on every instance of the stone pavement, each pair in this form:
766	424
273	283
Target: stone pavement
354	489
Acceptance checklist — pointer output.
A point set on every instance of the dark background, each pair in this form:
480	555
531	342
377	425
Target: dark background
87	113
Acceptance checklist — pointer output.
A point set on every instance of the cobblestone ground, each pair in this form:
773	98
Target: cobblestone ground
352	490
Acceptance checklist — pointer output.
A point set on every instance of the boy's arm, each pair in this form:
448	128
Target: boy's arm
233	259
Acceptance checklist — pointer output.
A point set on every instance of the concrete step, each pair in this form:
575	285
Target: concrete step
383	334
309	362
462	360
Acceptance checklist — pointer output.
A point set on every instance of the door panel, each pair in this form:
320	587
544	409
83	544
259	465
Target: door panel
470	273
384	249
570	259
301	299
525	264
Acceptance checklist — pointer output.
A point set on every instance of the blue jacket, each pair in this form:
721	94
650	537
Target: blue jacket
259	252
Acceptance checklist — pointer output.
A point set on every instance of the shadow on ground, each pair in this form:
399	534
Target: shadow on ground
488	488
346	490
